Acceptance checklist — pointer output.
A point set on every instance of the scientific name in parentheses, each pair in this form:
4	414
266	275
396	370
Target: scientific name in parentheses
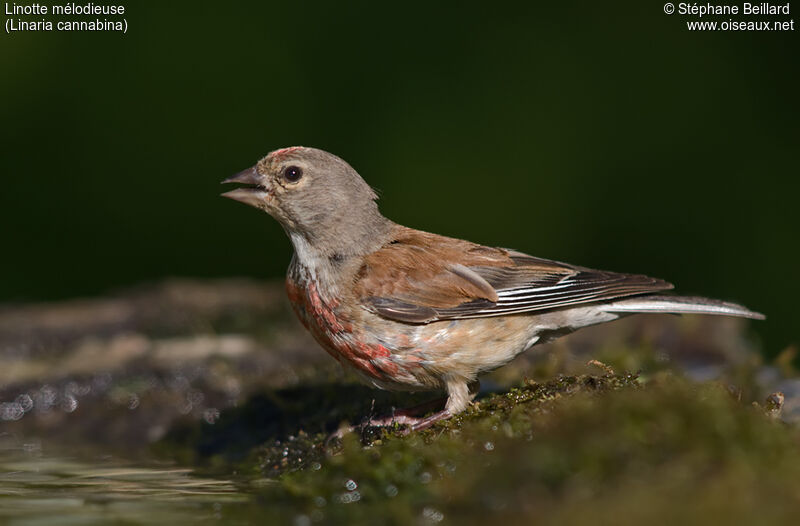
67	9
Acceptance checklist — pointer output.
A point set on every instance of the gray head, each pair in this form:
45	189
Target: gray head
321	201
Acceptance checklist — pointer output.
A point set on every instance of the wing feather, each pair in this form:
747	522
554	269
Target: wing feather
421	278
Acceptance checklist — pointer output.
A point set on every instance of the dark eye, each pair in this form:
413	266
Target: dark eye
292	173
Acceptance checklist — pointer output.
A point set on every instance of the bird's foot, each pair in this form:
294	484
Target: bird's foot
410	423
404	421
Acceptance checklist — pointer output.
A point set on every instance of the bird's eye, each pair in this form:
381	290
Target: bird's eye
293	174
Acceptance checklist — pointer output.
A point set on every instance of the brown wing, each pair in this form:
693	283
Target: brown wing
420	278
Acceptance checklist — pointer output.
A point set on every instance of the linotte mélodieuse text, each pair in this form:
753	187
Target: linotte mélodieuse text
704	9
69	9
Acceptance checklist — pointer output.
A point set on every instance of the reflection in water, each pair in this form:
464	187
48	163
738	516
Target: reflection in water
35	489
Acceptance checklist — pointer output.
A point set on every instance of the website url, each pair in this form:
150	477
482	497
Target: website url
732	25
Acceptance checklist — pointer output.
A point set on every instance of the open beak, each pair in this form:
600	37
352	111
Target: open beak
254	194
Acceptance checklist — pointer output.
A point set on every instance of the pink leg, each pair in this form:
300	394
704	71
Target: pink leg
403	417
414	423
408	418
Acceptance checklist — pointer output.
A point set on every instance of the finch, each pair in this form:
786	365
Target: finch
410	310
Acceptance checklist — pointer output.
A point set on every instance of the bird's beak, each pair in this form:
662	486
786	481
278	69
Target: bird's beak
253	195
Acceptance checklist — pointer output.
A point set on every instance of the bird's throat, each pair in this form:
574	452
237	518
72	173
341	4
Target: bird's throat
330	264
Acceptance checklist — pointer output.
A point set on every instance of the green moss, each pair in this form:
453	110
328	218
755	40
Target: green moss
577	449
602	449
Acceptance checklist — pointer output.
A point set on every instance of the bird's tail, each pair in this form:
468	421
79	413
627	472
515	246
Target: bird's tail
681	305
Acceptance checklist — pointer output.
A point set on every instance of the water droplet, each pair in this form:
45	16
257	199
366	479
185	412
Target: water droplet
391	490
320	502
133	401
488	446
350	485
69	403
348	498
11	411
316	466
425	477
25	402
432	515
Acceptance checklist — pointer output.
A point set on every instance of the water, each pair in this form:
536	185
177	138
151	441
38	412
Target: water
88	387
36	488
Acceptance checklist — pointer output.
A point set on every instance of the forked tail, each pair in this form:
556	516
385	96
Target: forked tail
681	305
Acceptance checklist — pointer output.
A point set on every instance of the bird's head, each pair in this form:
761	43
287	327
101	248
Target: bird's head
318	198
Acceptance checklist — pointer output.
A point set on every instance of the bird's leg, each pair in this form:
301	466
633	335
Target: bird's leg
404	417
460	394
410	417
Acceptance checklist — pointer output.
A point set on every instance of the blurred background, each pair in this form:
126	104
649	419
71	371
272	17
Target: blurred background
602	134
143	322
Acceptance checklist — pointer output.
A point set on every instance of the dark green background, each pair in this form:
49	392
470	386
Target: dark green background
599	133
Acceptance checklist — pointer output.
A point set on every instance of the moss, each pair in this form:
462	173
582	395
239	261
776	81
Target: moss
576	449
608	448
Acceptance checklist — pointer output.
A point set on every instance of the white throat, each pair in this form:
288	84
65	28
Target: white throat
315	266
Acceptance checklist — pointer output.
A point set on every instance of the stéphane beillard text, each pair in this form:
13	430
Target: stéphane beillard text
704	9
72	8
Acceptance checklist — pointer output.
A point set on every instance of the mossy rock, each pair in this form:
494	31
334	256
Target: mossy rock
579	449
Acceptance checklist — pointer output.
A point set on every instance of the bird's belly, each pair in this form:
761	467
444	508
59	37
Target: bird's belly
469	347
395	355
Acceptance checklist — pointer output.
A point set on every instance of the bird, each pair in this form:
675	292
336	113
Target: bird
411	310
